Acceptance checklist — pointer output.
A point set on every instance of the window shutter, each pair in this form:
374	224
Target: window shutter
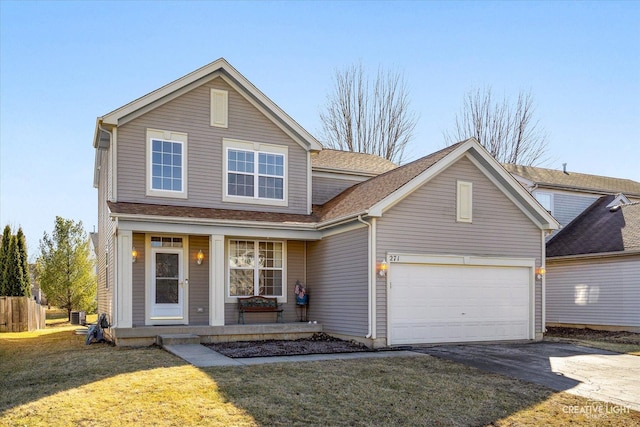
465	201
219	108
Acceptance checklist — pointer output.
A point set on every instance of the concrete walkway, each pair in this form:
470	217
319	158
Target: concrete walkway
203	357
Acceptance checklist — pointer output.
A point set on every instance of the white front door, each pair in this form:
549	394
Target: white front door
167	293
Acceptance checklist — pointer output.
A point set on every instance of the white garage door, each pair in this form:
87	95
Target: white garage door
432	303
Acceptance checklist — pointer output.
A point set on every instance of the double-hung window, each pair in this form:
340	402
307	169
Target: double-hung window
166	165
255	173
256	268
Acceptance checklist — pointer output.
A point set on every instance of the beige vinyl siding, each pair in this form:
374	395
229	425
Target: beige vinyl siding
104	240
325	188
295	271
198	281
337	282
189	114
425	223
139	282
597	291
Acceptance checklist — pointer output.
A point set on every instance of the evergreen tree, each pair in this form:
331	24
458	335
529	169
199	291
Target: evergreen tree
12	274
4	250
66	269
25	282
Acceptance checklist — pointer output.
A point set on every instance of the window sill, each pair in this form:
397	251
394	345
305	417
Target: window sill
253	201
166	194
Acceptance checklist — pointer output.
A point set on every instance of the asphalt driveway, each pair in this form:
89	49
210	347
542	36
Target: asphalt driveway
588	372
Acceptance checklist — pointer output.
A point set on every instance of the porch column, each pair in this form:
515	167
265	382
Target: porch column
124	279
216	280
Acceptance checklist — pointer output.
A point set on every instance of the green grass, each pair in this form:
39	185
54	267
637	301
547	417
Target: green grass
51	378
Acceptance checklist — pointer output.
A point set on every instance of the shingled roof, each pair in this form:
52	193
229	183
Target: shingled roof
599	229
147	209
364	195
552	178
348	161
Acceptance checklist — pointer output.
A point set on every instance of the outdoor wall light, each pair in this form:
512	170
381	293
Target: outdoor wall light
540	272
382	268
199	257
134	254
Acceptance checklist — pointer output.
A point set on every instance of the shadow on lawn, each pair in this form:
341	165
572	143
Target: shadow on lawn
56	360
388	391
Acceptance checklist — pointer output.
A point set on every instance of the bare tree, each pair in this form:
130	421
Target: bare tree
507	130
368	117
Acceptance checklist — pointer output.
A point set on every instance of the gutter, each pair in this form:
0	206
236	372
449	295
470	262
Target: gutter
371	277
342	219
594	255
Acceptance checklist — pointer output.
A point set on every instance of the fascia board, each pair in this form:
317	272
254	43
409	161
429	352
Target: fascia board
339	171
524	181
274	113
597	255
514	190
208	221
392	199
217	229
113	117
218	68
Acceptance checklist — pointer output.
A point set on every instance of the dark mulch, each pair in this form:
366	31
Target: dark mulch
319	343
595	335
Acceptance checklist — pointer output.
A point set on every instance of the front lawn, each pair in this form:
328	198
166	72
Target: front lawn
51	378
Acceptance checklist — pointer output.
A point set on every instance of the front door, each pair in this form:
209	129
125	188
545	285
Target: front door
167	285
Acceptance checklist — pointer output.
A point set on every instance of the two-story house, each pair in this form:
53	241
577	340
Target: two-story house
208	192
593	262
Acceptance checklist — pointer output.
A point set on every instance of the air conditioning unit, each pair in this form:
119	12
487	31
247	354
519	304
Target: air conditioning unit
78	317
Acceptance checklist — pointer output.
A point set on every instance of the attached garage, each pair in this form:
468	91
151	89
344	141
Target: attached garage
436	299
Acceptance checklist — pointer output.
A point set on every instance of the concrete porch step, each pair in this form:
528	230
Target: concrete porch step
173	339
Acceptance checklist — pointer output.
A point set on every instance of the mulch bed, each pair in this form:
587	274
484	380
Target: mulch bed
319	343
592	334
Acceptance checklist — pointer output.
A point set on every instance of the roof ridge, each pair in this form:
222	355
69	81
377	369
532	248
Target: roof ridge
569	173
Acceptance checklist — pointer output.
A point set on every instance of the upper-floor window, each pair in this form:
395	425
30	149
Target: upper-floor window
167	161
546	200
255	173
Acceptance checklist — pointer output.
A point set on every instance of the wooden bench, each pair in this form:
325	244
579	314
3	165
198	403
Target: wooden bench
259	304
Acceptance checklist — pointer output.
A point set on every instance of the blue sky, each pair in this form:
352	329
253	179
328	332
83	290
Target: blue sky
62	64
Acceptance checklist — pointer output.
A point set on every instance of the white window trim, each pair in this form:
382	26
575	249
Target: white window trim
149	253
169	136
256	147
219	116
546	193
234	299
462	215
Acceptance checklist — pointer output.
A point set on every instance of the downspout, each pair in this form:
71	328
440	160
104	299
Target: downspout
543	282
371	277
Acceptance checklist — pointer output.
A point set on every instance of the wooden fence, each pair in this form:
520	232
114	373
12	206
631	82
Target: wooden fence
19	314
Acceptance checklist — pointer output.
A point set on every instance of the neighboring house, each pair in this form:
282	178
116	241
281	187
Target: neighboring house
567	194
593	268
588	257
206	194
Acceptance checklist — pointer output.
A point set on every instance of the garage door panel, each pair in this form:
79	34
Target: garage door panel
454	303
